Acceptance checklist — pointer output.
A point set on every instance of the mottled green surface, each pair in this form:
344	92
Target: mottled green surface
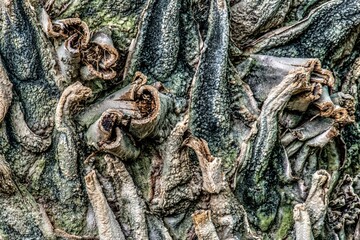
190	47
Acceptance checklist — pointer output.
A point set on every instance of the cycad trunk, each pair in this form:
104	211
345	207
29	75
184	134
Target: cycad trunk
178	119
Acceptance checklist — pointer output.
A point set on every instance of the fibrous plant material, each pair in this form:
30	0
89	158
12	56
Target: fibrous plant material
106	222
75	45
105	134
304	130
228	215
100	58
203	225
178	184
169	119
138	108
309	216
69	103
213	177
302	223
132	212
72	37
317	200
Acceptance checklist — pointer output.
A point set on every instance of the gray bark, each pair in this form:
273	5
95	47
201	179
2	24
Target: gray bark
177	119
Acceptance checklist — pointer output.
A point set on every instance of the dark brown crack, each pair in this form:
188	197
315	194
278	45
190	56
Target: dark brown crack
107	126
108	122
146	104
105	135
139	110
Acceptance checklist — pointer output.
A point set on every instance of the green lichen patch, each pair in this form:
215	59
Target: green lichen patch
286	222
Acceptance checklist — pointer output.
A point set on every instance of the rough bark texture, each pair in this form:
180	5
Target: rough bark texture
179	119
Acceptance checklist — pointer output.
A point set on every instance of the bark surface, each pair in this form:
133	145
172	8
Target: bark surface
179	119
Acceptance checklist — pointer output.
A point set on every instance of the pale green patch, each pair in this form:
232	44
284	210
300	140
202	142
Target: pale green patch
286	222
